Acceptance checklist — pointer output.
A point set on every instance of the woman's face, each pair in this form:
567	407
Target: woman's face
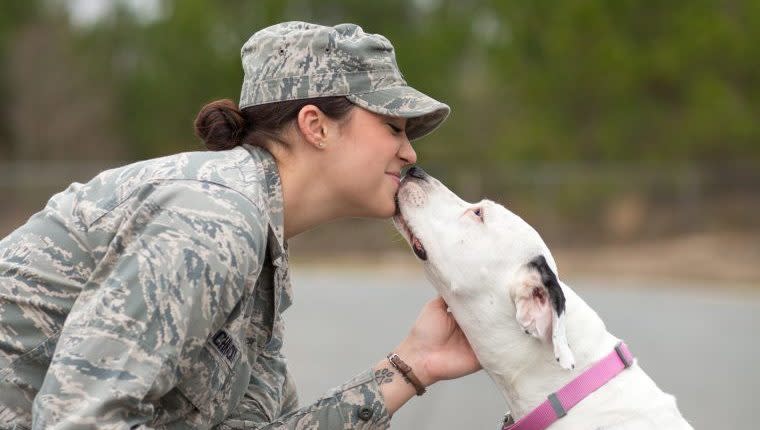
366	162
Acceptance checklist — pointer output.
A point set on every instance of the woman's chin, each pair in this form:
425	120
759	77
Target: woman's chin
382	213
385	211
381	205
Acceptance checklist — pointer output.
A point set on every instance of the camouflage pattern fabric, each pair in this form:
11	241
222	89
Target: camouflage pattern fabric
299	60
152	297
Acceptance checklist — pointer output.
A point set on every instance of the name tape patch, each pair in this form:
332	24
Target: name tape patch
225	345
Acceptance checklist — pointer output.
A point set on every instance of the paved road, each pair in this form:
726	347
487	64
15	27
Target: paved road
699	344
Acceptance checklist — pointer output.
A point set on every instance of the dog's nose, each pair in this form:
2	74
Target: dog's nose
416	172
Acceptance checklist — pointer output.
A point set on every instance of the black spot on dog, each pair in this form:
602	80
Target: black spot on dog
549	279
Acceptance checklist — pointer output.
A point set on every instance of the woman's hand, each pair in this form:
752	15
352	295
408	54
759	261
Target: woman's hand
436	347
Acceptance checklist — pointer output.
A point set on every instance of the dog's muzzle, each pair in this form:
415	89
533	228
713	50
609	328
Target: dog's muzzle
417	247
413	174
417	172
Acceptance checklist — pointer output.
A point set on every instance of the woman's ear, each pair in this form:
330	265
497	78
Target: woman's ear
540	305
312	124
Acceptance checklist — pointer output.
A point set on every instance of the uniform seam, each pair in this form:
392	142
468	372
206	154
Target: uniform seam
378	89
29	353
316	75
162	181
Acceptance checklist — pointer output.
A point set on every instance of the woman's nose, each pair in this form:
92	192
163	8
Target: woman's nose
407	153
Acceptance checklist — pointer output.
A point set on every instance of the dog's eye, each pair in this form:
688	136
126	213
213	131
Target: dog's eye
478	212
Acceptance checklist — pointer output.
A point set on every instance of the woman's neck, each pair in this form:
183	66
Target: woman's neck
307	200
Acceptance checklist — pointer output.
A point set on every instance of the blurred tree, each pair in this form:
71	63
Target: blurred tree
13	15
572	80
628	80
59	109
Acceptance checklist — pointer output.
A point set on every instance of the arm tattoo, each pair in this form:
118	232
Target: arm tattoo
383	376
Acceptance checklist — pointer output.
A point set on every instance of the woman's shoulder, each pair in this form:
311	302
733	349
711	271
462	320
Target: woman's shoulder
236	169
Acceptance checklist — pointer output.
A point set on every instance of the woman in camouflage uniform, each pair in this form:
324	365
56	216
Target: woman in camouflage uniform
151	296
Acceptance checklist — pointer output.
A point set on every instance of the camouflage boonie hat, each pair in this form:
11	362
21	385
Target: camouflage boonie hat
299	60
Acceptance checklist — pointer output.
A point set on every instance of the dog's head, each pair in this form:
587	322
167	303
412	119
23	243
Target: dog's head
483	253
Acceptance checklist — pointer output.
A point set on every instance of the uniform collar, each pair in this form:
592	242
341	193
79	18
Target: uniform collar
265	165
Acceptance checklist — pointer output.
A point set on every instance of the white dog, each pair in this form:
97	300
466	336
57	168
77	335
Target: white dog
530	331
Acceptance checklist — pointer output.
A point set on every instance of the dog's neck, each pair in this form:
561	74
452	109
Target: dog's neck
522	366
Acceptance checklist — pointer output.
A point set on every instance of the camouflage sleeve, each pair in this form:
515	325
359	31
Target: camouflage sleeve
357	404
173	272
270	391
289	395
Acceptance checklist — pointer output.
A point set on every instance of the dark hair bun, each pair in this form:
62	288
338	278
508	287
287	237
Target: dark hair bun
220	125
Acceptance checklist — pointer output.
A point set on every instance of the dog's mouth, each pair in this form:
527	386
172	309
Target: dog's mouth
417	247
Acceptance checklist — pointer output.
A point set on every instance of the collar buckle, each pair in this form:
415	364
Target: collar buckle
624	357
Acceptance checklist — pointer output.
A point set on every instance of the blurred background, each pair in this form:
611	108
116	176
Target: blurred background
626	132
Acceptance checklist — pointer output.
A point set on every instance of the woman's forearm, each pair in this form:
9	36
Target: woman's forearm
395	389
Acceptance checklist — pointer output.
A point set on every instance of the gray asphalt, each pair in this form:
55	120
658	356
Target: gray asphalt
698	342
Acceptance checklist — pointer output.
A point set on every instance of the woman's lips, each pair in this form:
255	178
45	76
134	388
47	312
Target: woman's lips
396	177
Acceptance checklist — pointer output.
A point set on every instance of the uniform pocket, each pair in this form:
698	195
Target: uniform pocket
21	380
207	382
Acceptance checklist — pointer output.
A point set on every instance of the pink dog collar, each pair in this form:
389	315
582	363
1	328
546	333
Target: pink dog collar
557	404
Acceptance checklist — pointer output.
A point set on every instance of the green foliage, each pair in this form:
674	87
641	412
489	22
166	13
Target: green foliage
13	14
624	80
607	80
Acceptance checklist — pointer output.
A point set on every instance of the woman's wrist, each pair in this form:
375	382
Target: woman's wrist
394	387
416	359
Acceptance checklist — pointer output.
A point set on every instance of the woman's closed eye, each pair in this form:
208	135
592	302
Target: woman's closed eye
396	130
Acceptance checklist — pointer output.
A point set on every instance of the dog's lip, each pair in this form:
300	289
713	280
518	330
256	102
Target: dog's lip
414	241
407	232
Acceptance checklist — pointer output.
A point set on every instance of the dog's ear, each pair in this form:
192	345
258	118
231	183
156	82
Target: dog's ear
540	305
